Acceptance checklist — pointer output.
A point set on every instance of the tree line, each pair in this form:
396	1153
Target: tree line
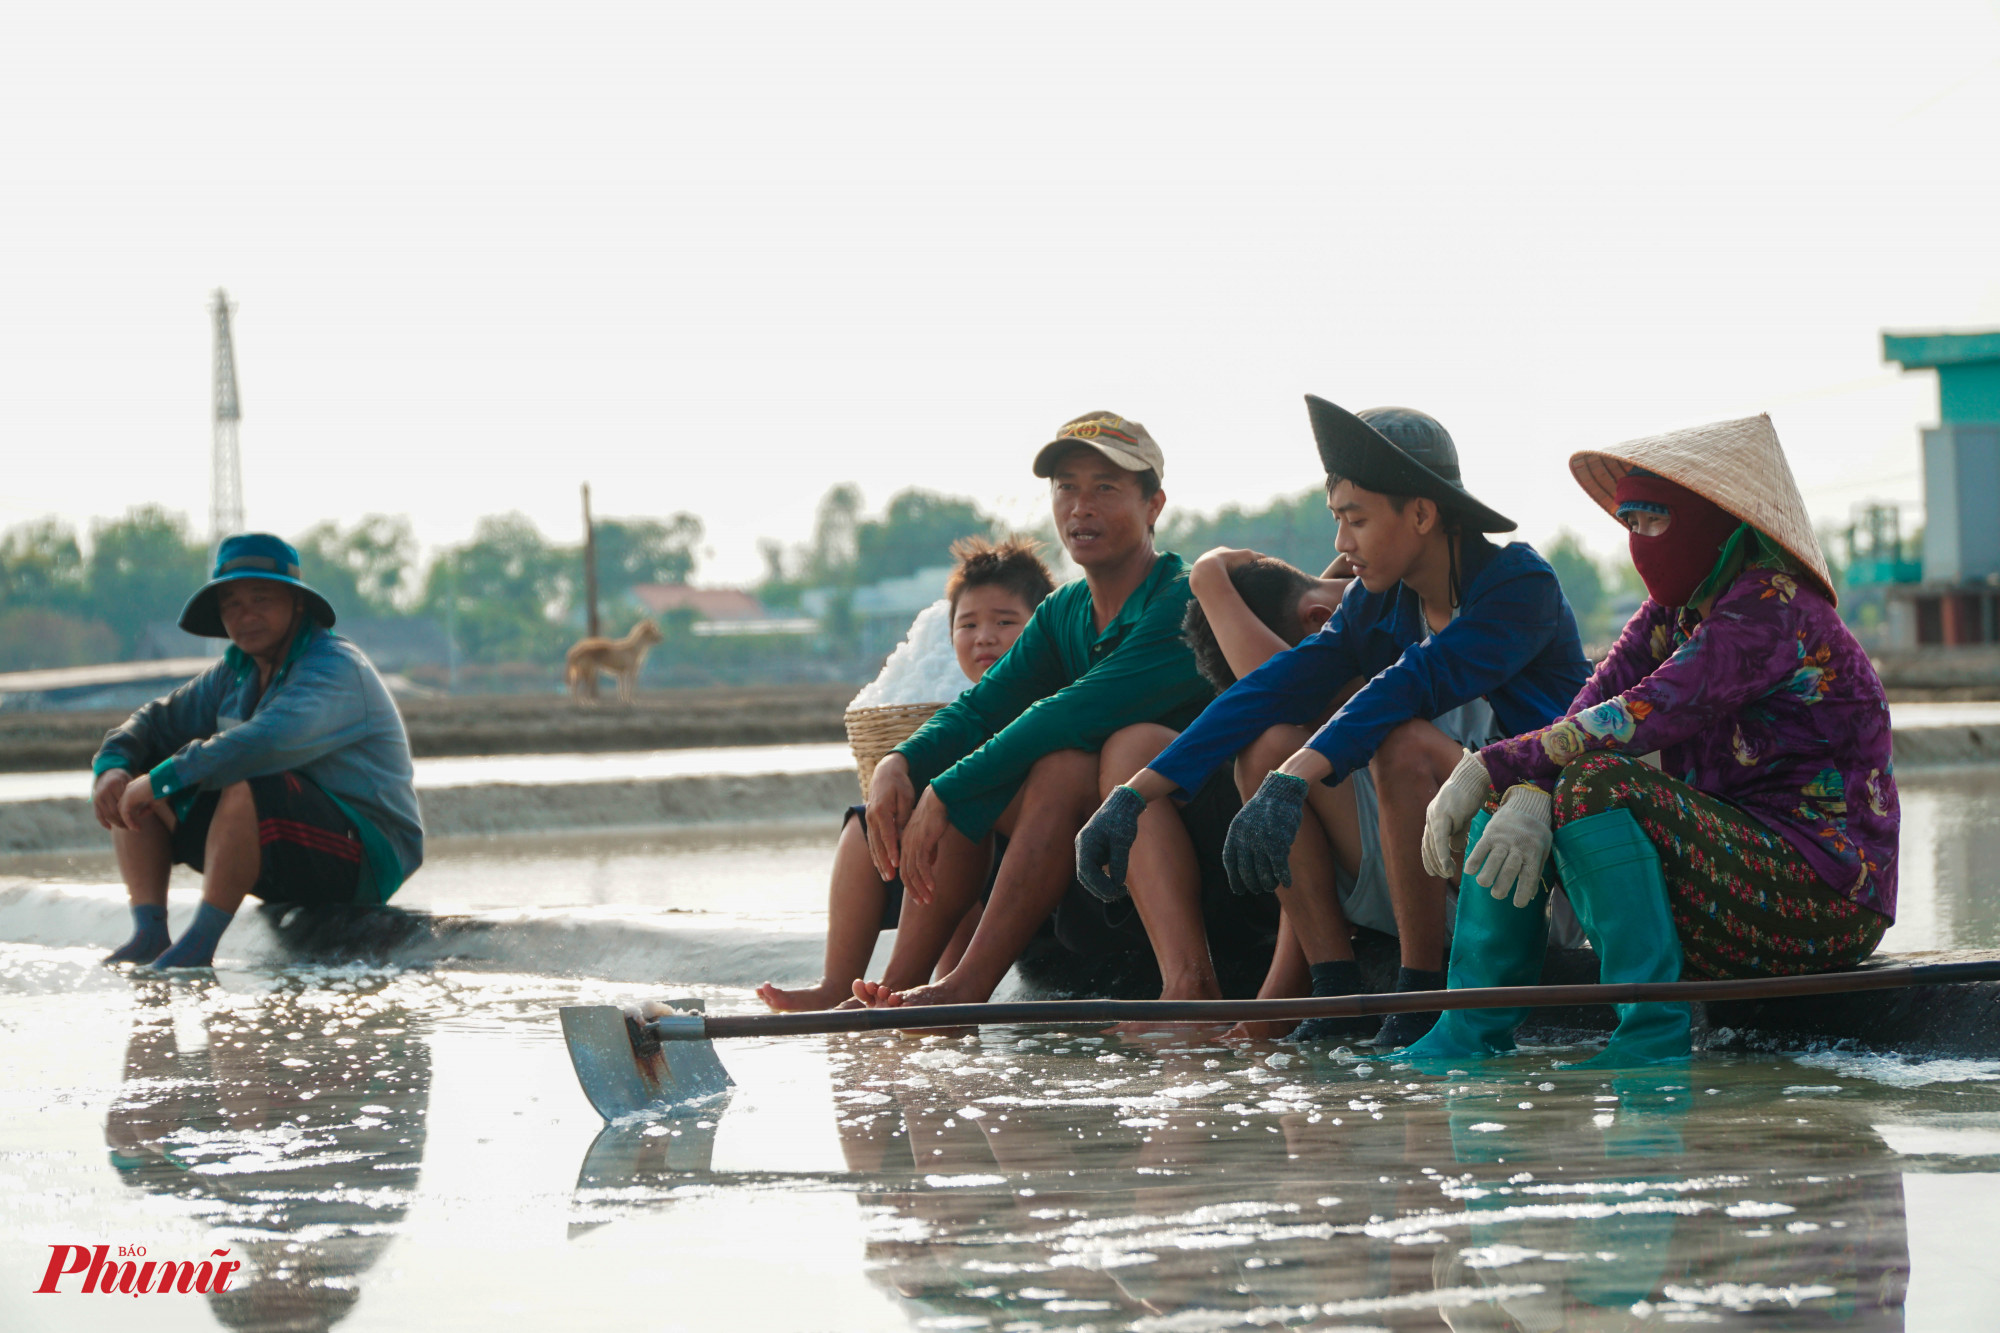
511	595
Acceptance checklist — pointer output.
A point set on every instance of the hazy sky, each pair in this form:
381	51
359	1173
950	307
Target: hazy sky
719	257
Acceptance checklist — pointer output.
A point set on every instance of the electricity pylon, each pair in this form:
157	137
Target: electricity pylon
225	497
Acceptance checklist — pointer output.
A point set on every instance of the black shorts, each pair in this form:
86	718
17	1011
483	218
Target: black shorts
311	851
1085	924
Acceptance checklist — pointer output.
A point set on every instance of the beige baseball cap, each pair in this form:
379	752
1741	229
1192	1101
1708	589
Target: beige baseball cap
1125	443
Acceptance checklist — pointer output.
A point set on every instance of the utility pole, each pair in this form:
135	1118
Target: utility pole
451	623
225	496
589	566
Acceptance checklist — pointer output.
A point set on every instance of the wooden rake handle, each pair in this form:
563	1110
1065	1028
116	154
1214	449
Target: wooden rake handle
678	1026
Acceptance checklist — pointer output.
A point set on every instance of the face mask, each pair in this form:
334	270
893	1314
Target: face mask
1673	564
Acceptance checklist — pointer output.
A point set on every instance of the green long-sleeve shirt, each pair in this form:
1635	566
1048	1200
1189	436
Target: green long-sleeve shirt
1062	686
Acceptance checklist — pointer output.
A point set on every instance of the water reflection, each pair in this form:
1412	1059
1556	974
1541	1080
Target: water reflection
1950	841
290	1120
1078	1181
675	1145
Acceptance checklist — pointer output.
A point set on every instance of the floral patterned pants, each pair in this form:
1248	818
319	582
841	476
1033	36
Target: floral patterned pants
1745	902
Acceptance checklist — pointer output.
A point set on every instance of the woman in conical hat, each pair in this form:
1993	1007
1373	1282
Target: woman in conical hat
1764	844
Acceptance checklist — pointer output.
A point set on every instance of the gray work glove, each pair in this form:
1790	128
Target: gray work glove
1450	813
1103	844
1510	853
1258	851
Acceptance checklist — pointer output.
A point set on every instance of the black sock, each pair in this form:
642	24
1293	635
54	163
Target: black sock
1400	1030
1340	977
1418	978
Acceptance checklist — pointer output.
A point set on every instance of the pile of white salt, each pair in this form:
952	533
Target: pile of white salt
923	669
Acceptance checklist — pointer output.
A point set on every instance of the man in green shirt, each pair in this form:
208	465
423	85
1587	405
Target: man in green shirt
1099	681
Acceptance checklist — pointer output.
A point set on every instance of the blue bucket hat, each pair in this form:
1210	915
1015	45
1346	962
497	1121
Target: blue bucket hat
249	555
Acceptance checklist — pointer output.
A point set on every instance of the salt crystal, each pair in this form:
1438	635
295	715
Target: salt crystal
923	669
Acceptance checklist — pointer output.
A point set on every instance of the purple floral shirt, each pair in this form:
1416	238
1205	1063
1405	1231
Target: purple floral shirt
1768	703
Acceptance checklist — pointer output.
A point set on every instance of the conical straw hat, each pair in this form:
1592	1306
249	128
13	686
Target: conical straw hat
1737	464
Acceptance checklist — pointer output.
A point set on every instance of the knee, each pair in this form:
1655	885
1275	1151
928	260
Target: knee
1062	777
1128	750
1269	750
853	845
1595	784
234	805
1272	748
1402	757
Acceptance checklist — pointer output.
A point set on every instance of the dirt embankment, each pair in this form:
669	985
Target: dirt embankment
514	724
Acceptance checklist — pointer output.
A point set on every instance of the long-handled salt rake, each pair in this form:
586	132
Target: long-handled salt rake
661	1054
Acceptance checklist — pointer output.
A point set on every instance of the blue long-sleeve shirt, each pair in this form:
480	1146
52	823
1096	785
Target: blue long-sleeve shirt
1513	642
325	714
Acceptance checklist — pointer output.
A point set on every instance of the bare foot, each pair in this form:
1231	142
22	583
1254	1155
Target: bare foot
1269	1030
873	994
1161	1028
943	991
1174	1027
786	1001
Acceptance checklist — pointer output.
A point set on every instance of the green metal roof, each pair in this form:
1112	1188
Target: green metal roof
1914	351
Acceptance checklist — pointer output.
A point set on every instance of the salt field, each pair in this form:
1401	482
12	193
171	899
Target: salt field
393	1148
777	871
402	1143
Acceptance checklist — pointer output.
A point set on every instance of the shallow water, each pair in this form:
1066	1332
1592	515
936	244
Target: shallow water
1950	867
406	1147
473	770
403	1149
733	869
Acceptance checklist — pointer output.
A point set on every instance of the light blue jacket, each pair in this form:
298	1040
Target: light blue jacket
325	715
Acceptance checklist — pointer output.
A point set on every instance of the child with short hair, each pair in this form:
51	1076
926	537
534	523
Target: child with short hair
993	591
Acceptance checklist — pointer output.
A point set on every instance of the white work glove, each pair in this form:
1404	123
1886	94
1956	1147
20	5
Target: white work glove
1510	853
1450	812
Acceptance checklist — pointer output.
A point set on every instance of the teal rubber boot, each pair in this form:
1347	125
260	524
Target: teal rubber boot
1612	875
1493	944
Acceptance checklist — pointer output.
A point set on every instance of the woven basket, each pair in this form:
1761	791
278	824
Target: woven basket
873	732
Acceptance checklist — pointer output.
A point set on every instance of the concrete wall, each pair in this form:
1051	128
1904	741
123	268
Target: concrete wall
1962	502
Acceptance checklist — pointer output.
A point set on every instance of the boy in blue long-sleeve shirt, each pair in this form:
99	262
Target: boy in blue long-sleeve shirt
283	770
1438	618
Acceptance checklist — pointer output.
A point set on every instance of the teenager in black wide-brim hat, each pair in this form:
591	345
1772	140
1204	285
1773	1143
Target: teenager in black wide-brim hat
1456	639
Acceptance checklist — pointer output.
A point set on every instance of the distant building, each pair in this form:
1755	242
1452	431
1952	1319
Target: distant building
715	611
398	643
904	596
394	643
168	656
123	685
1950	597
166	640
112	685
882	611
664	599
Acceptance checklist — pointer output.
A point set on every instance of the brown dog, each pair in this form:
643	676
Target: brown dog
621	658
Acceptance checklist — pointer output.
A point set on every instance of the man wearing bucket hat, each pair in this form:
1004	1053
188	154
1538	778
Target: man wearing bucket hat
1459	642
281	771
1765	842
1099	673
